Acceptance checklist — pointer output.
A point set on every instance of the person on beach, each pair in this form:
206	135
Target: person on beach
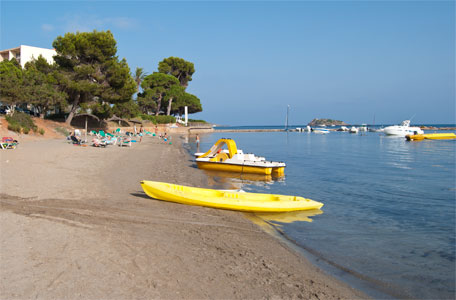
197	142
141	132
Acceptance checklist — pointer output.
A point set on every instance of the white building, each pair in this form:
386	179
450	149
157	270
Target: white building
24	54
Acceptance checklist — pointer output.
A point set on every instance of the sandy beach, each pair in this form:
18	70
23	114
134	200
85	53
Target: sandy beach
75	224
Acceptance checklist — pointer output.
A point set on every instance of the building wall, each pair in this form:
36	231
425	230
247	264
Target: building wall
29	53
24	54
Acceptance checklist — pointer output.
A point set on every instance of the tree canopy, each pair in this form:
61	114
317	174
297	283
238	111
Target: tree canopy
158	86
177	67
40	86
90	71
88	76
11	75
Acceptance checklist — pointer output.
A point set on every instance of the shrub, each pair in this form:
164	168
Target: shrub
62	130
159	119
165	119
149	118
196	121
14	127
19	121
41	131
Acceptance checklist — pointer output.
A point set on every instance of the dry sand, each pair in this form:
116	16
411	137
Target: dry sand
75	224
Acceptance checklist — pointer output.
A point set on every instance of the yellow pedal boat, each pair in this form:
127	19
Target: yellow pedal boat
235	160
431	136
232	200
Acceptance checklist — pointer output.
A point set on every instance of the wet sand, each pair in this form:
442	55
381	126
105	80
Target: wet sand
75	224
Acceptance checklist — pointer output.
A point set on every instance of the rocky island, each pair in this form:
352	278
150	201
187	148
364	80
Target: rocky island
326	122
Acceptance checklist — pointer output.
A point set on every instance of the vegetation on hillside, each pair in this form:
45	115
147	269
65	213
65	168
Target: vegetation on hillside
21	122
327	122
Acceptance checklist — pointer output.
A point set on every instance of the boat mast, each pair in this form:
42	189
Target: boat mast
286	120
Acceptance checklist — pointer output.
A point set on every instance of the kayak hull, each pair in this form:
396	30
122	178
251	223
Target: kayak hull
431	136
232	200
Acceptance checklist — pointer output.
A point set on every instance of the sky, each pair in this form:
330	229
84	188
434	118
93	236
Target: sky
355	61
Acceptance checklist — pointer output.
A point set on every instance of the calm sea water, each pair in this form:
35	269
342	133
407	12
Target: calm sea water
389	205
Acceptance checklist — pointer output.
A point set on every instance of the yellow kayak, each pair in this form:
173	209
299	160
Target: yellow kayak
233	200
431	136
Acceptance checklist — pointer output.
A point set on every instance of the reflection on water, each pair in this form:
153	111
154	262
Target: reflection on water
235	180
289	217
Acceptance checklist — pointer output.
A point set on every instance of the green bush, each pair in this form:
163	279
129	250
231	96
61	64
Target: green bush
165	119
149	118
21	121
196	121
14	127
158	119
41	131
62	130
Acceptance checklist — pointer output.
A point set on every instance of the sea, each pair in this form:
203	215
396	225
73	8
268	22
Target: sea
387	226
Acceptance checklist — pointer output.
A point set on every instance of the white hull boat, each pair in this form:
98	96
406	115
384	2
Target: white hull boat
403	129
321	130
353	130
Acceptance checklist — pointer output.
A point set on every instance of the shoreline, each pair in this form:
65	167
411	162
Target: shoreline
76	224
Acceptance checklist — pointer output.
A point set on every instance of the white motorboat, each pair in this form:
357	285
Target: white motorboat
300	129
321	130
403	129
353	129
363	127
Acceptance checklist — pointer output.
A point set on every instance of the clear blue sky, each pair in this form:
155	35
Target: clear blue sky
346	60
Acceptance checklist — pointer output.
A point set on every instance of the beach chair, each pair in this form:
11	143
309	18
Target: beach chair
101	133
125	142
8	145
98	143
110	140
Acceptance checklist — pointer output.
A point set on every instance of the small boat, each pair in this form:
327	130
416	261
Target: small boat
431	136
363	127
233	200
235	160
403	129
300	129
376	129
321	131
353	129
343	128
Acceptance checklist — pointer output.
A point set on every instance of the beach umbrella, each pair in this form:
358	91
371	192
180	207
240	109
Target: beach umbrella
86	116
117	119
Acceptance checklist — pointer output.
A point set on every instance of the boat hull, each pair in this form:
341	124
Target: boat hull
232	200
227	167
402	131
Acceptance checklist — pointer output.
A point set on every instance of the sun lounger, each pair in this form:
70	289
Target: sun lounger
102	133
98	143
8	145
125	142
